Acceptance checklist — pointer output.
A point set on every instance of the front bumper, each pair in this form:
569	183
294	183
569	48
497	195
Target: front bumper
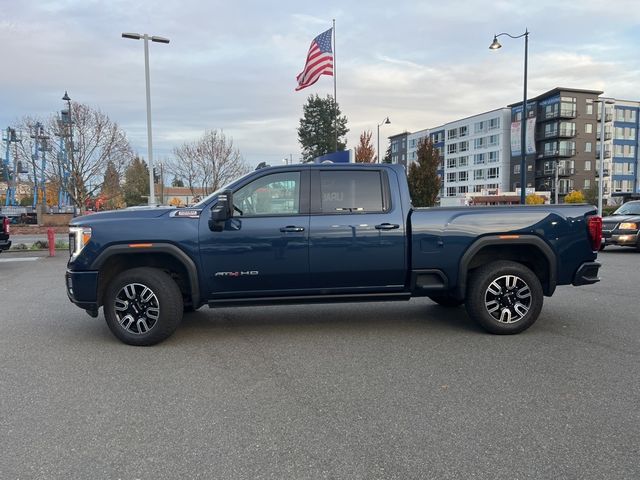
627	239
82	289
587	274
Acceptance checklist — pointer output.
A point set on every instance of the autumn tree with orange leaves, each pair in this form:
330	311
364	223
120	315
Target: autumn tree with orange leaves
364	151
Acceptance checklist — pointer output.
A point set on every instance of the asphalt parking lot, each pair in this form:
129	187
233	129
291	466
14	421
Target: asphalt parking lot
356	391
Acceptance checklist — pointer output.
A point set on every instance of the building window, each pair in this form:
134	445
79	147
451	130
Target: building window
494	140
463	176
452	148
479	127
588	128
589	110
462	131
516	169
478	174
451	162
587	165
494	172
451	191
587	184
477	188
463	146
463	161
494	156
494	123
451	177
462	190
478	159
452	133
480	142
588	147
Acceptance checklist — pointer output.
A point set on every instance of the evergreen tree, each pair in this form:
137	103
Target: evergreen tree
317	131
177	182
136	183
424	183
387	155
111	191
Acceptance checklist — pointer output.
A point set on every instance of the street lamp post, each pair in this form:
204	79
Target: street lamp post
71	164
146	38
602	138
523	150
386	121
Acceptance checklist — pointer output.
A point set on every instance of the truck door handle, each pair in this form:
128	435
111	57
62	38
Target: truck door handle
291	228
387	226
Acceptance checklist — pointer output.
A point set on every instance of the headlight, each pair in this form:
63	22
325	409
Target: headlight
78	238
628	226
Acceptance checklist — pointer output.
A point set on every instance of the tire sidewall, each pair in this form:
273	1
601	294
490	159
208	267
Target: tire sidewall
169	303
480	281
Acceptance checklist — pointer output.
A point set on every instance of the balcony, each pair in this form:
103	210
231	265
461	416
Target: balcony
563	133
608	135
565	171
607	154
608	117
567	132
605	172
562	152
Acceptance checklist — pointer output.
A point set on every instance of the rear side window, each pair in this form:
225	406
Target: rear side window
351	192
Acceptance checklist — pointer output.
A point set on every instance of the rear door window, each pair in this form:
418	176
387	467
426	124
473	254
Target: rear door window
351	192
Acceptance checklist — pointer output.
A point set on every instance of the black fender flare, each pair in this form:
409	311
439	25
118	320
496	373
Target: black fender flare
531	240
168	248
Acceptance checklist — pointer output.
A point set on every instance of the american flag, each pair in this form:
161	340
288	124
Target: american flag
319	61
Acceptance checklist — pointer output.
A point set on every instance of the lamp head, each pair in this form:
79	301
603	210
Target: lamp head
66	97
387	121
495	44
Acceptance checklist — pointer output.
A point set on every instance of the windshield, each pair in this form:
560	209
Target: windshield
631	208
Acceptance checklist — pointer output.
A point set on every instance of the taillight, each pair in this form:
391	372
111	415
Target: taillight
595	231
5	224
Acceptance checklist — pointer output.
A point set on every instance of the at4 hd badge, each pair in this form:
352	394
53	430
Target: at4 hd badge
237	274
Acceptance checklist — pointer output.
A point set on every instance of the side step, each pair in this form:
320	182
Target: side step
305	299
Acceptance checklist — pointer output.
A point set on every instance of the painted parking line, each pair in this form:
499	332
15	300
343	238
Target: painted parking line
21	259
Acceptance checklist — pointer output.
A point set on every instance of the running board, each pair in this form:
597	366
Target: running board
302	299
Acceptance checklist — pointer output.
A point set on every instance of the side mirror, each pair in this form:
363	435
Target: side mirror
222	211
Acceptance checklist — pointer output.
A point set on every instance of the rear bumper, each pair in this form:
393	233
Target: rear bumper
587	274
82	289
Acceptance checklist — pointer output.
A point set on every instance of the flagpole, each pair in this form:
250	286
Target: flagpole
335	95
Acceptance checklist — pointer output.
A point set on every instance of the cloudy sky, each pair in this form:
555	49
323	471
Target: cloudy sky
231	65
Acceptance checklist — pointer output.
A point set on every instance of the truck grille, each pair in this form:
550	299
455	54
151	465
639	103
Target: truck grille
609	225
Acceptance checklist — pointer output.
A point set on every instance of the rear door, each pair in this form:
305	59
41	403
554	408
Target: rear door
357	238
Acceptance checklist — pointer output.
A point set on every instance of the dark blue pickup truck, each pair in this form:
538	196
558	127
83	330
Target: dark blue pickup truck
325	233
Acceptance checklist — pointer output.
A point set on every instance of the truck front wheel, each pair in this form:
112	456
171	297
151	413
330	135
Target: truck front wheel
504	297
143	306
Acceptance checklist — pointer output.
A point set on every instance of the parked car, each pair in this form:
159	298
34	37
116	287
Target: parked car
623	227
325	233
5	243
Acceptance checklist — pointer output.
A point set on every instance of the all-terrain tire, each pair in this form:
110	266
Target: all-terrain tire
504	297
143	306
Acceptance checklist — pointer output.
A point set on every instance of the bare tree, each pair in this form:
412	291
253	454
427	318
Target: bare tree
83	143
208	163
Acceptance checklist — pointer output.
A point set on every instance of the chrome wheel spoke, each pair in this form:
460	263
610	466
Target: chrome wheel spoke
136	308
508	299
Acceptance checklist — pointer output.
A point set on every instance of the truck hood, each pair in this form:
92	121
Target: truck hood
125	214
621	218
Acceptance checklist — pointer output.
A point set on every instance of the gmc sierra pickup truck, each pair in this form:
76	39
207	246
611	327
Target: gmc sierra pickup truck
325	233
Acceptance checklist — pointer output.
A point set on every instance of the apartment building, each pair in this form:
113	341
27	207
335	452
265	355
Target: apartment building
481	153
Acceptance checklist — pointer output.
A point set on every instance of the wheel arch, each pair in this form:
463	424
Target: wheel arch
528	250
168	257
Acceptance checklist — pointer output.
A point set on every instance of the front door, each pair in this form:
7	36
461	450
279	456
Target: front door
264	248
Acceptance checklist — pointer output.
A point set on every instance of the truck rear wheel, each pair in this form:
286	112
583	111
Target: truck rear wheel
143	306
504	297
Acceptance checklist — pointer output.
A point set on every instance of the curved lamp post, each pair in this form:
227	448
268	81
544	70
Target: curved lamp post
523	172
386	121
